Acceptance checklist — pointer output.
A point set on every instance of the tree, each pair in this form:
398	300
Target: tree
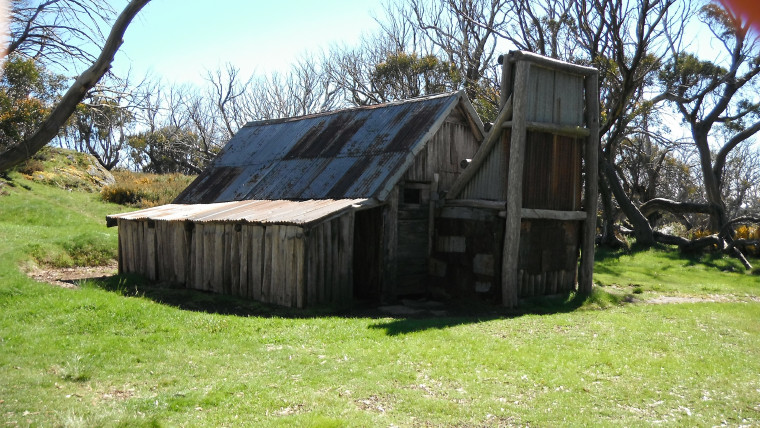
717	101
461	33
98	128
64	108
351	69
168	150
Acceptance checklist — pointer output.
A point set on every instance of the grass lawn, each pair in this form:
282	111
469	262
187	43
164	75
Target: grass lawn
110	353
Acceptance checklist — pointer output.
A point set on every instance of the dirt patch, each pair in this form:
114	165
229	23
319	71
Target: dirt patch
70	277
118	394
713	298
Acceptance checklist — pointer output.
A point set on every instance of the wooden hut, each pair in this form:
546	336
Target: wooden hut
514	223
312	210
391	200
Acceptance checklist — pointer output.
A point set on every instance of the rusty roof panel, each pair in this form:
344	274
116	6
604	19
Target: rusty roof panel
371	173
346	154
251	211
333	171
207	187
291	175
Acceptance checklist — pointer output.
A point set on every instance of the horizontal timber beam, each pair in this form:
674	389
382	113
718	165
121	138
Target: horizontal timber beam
531	213
553	128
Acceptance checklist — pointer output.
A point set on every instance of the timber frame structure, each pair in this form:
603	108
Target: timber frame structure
540	98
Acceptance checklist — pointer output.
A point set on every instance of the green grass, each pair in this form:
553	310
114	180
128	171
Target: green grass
665	270
119	353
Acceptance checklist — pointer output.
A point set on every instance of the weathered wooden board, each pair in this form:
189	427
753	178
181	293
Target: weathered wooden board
454	142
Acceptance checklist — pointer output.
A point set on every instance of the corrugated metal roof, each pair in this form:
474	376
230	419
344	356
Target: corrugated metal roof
258	211
347	154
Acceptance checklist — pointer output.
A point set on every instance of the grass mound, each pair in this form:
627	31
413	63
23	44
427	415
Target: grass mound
86	249
66	169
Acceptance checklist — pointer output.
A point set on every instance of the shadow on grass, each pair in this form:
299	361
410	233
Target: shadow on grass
445	315
471	312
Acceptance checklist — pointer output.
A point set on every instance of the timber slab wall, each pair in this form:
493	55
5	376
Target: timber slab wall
286	265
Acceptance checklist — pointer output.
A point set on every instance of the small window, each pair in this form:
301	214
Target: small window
412	196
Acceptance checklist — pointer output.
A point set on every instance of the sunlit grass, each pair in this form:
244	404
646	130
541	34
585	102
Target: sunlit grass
665	270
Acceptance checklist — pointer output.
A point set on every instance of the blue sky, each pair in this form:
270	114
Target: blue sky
180	40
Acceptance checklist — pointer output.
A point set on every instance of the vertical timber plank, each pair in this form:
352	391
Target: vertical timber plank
287	237
322	260
256	262
198	257
329	252
245	250
187	229
209	256
268	254
235	231
150	250
302	247
164	246
346	253
311	266
219	257
506	80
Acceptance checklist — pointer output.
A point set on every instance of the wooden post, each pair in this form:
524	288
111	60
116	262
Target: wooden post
120	246
433	201
506	80
585	281
509	265
390	244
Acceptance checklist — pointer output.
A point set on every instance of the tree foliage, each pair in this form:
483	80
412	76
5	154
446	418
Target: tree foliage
403	75
27	92
168	150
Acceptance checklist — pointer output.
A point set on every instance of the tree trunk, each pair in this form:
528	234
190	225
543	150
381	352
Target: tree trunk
76	93
711	182
642	230
608	214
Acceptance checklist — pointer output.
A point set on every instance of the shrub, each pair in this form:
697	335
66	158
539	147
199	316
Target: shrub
119	194
31	166
90	250
144	190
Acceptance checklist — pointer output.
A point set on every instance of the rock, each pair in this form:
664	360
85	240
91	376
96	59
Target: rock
100	176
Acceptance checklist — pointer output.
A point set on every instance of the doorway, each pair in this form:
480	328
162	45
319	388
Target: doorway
368	254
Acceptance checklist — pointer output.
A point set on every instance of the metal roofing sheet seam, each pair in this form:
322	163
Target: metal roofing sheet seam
251	211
